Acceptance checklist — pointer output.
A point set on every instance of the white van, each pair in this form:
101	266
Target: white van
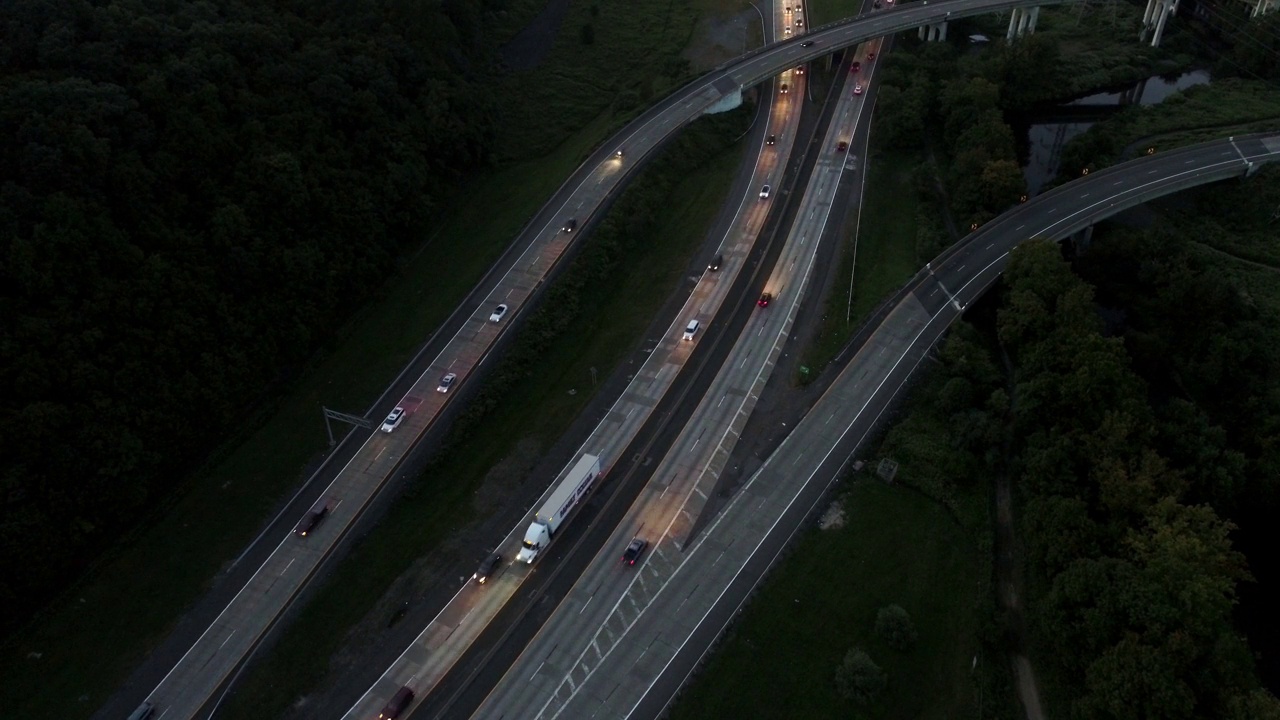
691	329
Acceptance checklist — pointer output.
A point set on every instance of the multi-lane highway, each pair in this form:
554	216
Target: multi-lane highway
609	597
448	636
224	643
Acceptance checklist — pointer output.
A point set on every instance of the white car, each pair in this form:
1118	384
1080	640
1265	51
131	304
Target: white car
393	420
857	89
446	382
498	313
691	329
764	192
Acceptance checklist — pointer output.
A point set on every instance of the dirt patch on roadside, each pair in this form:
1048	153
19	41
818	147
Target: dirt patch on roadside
717	39
833	518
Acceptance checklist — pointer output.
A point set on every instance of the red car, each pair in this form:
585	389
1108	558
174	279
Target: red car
764	300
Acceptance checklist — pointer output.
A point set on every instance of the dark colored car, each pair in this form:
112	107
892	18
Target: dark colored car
842	146
855	67
807	43
764	300
871	56
312	518
634	550
488	568
570	225
715	263
397	704
771	140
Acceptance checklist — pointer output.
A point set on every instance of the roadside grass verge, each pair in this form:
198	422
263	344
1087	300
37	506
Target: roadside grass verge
531	413
822	12
606	57
86	644
885	254
896	547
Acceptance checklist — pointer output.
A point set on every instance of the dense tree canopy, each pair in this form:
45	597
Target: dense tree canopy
1136	580
190	193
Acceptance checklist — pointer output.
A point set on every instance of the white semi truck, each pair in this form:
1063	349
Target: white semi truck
563	499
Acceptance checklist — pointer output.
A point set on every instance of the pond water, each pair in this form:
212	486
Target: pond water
1041	133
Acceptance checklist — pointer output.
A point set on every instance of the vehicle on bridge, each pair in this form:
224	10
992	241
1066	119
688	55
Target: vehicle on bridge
557	508
488	568
394	419
313	517
446	382
398	704
634	550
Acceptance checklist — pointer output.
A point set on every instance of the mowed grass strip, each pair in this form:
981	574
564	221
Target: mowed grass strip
534	413
605	55
87	643
780	658
885	252
821	12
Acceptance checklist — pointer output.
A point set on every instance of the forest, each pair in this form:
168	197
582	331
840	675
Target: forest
191	195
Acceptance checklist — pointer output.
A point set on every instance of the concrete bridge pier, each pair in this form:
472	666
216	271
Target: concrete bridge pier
937	32
1081	239
1154	18
1133	95
1022	21
726	103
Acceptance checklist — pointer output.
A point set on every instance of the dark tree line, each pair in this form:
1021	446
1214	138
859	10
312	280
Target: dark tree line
191	194
1133	575
1136	422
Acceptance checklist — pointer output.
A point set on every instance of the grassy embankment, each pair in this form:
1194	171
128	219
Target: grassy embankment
84	645
896	547
878	252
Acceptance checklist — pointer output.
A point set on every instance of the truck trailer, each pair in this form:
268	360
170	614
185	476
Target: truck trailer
563	500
